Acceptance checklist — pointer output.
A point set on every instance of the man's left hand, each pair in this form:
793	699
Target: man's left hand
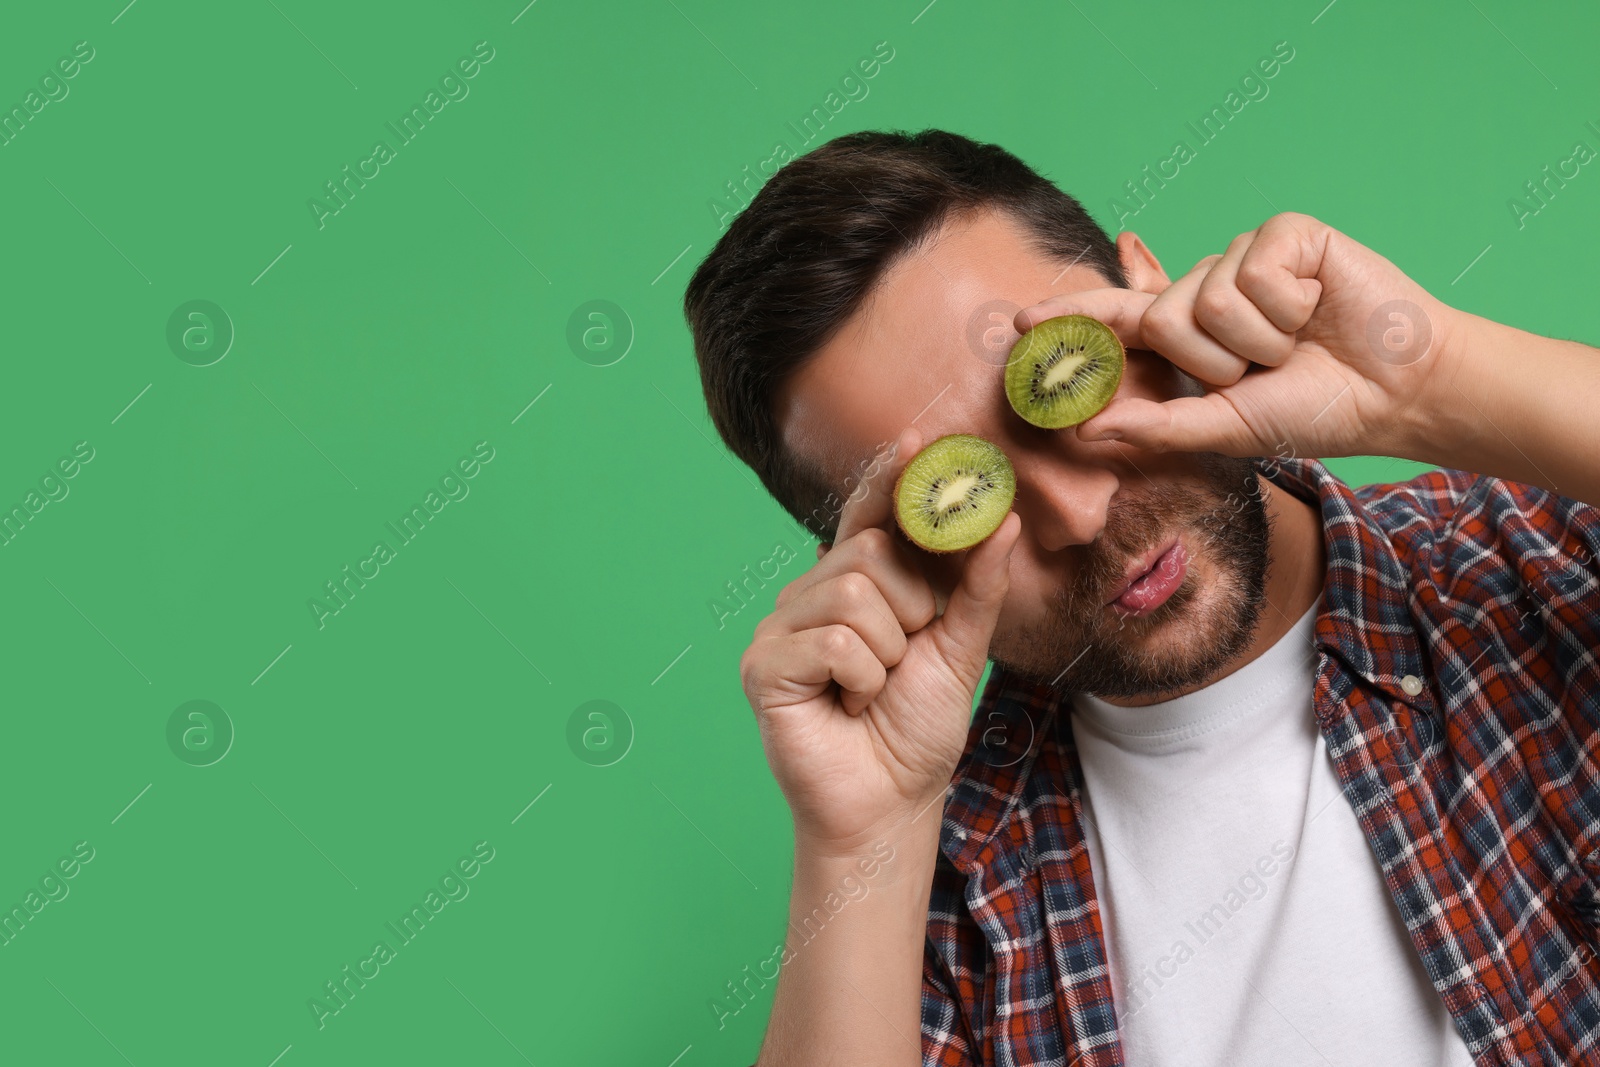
1308	344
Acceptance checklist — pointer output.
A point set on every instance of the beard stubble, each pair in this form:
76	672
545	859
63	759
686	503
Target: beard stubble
1085	646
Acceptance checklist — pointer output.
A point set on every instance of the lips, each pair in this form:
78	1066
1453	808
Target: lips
1140	568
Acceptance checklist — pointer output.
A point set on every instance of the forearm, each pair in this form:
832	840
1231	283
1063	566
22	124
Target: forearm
850	989
1515	405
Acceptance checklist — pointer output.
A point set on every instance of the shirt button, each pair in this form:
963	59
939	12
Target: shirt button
1411	684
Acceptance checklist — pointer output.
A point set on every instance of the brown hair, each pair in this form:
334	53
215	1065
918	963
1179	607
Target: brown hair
801	258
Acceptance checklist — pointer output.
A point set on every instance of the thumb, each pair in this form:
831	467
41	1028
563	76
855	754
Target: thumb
963	631
1208	423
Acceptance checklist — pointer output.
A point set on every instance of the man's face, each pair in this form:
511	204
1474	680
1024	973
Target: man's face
1135	573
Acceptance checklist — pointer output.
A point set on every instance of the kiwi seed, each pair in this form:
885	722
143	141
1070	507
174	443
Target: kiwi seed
954	493
1064	371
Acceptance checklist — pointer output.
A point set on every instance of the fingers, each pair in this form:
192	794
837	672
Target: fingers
875	506
1232	318
874	555
864	544
1120	309
1281	270
963	632
1208	423
1230	311
851	599
797	666
878	601
1170	327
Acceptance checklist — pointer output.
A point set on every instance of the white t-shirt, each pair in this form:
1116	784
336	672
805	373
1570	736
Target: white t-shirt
1247	920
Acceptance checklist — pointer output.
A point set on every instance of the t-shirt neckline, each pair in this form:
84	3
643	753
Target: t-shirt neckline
1252	688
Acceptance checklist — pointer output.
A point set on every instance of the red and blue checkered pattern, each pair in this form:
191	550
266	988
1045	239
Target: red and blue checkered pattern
1479	793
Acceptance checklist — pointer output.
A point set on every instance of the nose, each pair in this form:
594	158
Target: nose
1062	501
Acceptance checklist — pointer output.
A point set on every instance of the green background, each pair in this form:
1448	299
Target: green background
374	352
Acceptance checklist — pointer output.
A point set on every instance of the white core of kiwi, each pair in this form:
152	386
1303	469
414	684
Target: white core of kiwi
1064	371
954	493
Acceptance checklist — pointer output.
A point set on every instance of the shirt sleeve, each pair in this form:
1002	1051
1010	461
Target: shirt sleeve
1519	566
1554	542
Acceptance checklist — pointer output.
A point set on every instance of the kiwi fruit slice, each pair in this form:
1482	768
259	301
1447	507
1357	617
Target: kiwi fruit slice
954	493
1064	370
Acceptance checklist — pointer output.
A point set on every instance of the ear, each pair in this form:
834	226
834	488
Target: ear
1140	264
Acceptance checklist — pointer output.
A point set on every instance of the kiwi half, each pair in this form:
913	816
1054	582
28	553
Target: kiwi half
954	493
1064	370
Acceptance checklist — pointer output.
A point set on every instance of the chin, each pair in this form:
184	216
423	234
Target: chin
1181	644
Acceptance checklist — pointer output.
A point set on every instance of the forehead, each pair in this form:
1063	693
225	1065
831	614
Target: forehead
914	350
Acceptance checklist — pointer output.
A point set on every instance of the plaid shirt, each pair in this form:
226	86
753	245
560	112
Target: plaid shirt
1458	689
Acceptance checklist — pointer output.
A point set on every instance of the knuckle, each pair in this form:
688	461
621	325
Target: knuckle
1213	305
856	589
1160	323
837	641
1254	273
872	542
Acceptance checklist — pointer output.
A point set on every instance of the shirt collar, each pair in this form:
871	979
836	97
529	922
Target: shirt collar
1365	620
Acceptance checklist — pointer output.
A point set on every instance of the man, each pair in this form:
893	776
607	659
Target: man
1267	770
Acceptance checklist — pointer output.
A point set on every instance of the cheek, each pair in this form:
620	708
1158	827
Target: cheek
1033	585
1028	625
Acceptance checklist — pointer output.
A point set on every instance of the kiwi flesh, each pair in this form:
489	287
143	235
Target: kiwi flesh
954	493
1064	371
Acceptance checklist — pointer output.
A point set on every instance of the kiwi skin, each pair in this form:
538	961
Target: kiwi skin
1018	374
1005	489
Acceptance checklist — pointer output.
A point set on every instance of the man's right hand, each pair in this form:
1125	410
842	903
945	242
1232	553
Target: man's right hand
862	690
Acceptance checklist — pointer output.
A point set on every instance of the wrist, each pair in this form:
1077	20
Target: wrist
1440	418
1510	404
895	871
915	828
